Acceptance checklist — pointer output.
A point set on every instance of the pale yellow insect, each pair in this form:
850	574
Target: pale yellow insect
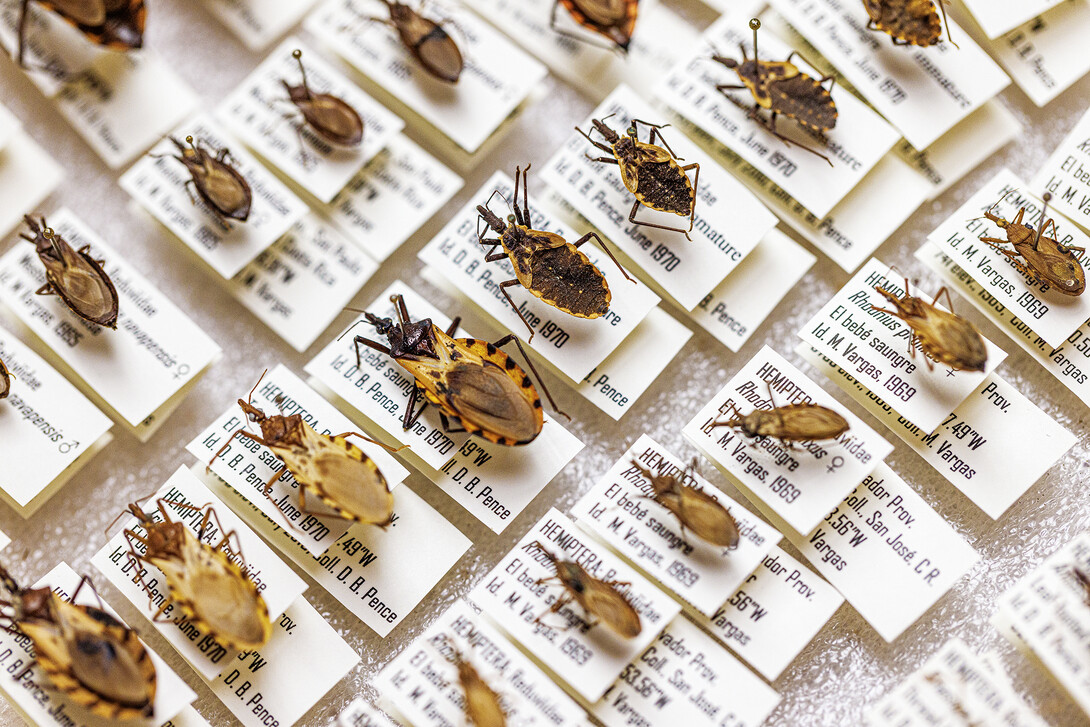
600	599
694	509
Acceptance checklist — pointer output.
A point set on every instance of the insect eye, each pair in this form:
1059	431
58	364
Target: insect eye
511	219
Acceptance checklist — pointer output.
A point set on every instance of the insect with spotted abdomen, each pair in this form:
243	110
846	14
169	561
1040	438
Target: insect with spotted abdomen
801	422
330	467
782	89
88	655
908	22
73	276
599	599
210	584
472	382
942	335
614	20
331	117
546	264
112	24
1041	258
222	188
694	509
650	172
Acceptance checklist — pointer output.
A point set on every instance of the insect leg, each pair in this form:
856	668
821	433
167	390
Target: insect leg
370	344
526	196
86	580
364	437
633	220
602	244
1041	233
410	417
446	425
656	132
696	180
453	327
1012	256
823	79
503	289
511	337
46	289
949	303
598	144
770	125
942	7
21	32
236	433
605	160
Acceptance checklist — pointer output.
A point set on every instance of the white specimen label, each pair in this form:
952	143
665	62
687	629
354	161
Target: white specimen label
255	112
619	510
249	467
55	51
276	582
729	220
799	484
360	713
27	176
257	23
163	187
861	137
997	17
589	658
1066	175
875	347
497	76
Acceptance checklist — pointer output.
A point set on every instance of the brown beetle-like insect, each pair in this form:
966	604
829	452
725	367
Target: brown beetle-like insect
545	263
87	654
615	20
73	276
781	88
5	380
219	185
213	591
1036	256
599	599
331	117
114	24
651	173
472	382
482	705
694	509
802	422
941	335
336	471
1083	579
426	40
908	22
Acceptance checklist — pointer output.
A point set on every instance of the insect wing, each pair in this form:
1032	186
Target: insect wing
82	284
431	45
805	100
702	514
614	19
222	187
346	479
5	381
809	422
483	707
1061	270
494	395
79	12
606	603
951	339
333	119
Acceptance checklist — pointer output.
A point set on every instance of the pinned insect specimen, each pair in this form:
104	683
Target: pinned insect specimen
219	185
802	422
612	19
482	705
545	263
651	173
426	40
87	654
1043	259
328	466
781	88
114	24
5	381
73	276
599	599
1083	579
908	22
472	382
215	594
331	117
694	509
941	335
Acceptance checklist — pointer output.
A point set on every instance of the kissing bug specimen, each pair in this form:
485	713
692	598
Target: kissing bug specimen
545	263
694	509
426	40
331	117
943	336
802	422
600	599
651	173
1038	257
214	593
73	276
908	22
88	655
219	185
781	88
114	24
482	705
5	381
473	382
336	471
612	19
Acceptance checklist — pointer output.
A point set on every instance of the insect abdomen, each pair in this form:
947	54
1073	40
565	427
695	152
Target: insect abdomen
805	100
663	186
565	278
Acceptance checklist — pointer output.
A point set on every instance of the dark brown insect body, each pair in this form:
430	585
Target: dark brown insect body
1083	579
803	422
545	263
73	276
482	706
331	117
599	599
612	19
908	22
336	471
781	88
5	381
943	336
472	382
694	509
218	184
426	40
1039	257
651	173
87	654
113	24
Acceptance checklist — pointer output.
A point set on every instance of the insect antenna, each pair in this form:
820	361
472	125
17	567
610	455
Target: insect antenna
298	56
